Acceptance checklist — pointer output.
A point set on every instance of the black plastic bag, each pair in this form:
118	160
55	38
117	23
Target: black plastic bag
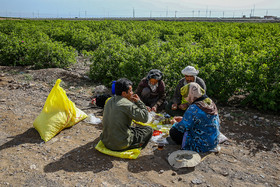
100	99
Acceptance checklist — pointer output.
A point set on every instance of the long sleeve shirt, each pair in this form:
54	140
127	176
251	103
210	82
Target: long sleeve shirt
177	97
158	96
117	117
201	130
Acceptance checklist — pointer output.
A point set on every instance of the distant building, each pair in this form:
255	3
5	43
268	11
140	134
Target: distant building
270	17
255	17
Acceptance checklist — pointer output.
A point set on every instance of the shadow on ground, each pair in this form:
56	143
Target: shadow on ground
86	158
81	159
29	136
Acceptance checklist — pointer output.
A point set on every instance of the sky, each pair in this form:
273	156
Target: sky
138	8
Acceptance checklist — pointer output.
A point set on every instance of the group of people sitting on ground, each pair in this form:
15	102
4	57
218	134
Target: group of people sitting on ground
195	123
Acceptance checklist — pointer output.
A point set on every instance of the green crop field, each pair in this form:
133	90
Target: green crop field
233	58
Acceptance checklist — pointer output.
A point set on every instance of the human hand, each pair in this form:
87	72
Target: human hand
154	109
135	98
178	118
174	106
183	106
149	109
173	121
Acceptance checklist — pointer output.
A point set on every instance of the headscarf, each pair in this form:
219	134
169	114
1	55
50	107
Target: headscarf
190	70
154	74
194	94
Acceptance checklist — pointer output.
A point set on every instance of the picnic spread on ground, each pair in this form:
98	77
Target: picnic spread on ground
59	113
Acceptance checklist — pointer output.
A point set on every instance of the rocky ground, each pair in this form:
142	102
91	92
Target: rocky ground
250	158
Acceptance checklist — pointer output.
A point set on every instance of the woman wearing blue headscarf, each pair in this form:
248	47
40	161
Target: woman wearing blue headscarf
198	129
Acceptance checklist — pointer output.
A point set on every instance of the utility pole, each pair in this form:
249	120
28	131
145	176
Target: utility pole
210	14
206	11
150	14
223	14
175	13
133	13
199	13
167	12
193	13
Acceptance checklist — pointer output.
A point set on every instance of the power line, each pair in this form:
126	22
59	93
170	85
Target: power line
143	13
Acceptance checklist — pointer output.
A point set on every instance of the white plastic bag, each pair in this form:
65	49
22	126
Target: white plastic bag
222	138
151	114
93	120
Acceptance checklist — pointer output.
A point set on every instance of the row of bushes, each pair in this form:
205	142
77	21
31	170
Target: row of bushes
233	58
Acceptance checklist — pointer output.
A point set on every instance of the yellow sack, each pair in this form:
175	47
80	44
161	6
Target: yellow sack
58	113
130	154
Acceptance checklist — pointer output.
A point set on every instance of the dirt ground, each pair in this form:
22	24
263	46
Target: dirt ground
250	158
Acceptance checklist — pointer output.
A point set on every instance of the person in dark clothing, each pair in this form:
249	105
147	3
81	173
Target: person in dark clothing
178	105
151	91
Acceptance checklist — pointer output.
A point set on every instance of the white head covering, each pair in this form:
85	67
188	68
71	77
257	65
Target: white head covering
190	70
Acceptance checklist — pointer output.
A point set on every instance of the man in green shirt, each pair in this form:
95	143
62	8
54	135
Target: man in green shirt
119	111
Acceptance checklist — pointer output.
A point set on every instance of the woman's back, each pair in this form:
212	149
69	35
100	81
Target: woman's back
202	130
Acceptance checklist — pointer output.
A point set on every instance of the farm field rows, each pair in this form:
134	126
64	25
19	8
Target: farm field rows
233	58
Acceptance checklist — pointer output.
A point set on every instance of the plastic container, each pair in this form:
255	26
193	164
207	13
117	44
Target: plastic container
156	122
113	87
160	146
